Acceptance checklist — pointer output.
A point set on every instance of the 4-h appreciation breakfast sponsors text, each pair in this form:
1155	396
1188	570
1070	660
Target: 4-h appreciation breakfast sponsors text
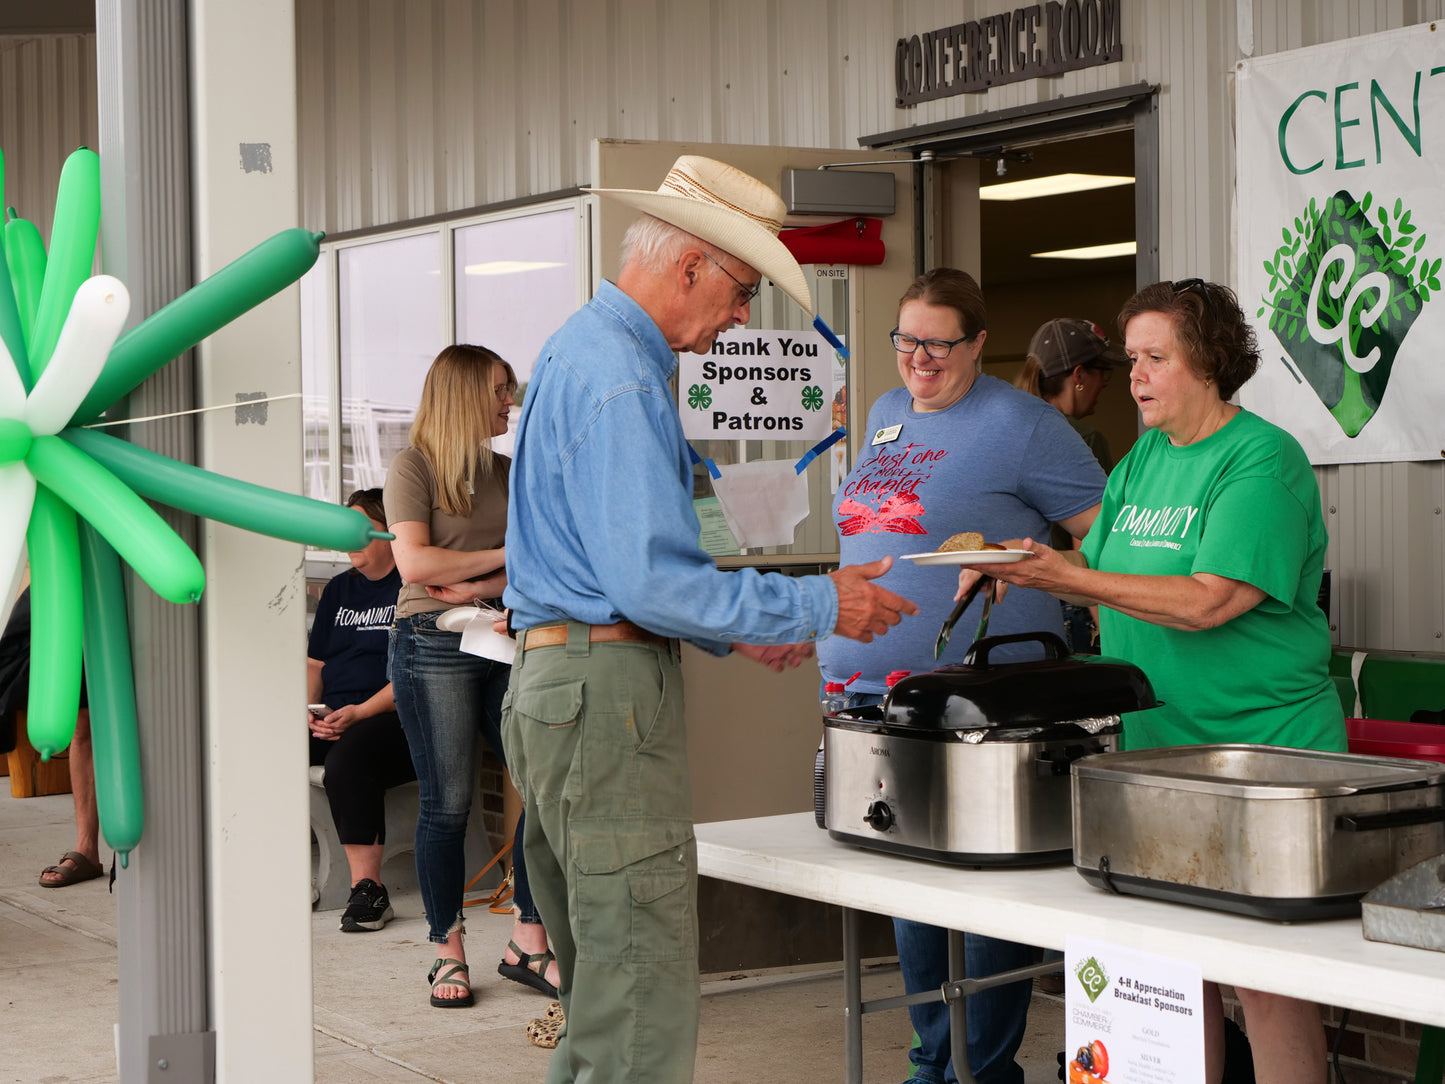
1143	993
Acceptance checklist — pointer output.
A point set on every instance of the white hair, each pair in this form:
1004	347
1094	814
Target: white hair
655	245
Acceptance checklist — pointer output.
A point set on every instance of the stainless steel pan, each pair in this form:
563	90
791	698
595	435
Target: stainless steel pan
1260	830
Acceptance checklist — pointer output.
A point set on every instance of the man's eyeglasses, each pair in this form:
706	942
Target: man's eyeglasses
747	292
1183	285
937	349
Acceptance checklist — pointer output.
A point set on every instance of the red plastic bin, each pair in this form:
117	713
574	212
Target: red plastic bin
1390	738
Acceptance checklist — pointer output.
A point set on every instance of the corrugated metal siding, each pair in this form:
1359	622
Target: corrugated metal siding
47	109
425	106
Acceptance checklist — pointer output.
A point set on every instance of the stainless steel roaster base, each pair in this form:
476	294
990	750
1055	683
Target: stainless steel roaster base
1277	909
957	858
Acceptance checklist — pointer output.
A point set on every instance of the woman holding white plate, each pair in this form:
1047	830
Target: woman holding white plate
950	451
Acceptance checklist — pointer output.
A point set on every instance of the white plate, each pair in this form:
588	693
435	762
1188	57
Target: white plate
968	557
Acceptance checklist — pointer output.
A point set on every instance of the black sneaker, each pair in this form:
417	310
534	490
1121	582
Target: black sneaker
368	909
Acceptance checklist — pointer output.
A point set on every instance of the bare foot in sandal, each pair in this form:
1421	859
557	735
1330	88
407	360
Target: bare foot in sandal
528	960
72	868
451	986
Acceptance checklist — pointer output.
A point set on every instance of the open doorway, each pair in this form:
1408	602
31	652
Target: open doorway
1090	232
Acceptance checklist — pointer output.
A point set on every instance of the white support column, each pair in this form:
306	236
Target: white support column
245	189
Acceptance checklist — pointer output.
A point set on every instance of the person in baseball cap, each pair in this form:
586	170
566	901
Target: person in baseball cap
1070	363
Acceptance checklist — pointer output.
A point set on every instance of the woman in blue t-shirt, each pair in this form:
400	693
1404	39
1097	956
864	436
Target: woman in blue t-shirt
953	450
355	731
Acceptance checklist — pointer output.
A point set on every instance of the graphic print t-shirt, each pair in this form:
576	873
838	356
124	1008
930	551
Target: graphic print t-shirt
349	635
1242	503
1000	462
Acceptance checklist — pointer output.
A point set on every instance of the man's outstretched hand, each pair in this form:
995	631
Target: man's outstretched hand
866	610
776	657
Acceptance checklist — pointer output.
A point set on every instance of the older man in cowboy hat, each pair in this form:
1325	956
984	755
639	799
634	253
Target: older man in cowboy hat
605	576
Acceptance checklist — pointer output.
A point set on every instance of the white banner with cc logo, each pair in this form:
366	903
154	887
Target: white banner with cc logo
1341	238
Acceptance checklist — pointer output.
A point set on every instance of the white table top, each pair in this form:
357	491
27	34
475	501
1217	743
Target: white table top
1328	961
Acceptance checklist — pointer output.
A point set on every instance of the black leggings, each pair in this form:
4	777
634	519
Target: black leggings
361	765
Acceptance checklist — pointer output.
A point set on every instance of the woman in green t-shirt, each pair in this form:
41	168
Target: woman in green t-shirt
1205	562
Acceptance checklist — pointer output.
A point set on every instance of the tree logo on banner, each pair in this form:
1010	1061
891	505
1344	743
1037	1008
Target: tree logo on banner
1344	289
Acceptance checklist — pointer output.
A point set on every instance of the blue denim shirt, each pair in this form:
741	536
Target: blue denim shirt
601	526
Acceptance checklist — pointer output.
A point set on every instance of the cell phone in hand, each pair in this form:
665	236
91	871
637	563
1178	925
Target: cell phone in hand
321	711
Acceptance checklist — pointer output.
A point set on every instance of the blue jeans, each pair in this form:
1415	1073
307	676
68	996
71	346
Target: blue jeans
446	698
996	1017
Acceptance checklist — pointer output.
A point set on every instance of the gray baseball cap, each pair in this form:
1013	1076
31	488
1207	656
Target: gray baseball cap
1065	342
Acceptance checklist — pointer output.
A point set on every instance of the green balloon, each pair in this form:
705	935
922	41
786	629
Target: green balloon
25	253
139	535
164	335
55	619
214	496
111	692
73	234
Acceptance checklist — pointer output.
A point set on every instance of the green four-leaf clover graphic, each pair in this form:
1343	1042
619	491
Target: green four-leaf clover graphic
699	397
812	397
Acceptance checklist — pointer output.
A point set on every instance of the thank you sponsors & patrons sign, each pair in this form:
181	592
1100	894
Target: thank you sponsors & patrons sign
1341	237
758	385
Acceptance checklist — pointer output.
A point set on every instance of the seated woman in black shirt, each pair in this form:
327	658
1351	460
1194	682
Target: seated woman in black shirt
358	737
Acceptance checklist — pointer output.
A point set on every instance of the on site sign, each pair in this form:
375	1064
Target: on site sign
1341	237
757	385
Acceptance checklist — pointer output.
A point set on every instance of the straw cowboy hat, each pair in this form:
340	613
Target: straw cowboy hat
727	208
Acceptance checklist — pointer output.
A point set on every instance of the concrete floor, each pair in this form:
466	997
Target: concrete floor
58	995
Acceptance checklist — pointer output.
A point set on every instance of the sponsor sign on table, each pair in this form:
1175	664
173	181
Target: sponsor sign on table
1131	1017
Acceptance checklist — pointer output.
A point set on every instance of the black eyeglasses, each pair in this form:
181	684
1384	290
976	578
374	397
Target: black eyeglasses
938	349
1183	285
748	292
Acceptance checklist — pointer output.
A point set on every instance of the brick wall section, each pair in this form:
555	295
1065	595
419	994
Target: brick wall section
491	769
1374	1049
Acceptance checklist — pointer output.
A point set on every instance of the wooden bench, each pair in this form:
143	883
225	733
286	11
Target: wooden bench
31	777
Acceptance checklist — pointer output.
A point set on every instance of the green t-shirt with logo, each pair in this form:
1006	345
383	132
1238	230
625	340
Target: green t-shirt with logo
1242	503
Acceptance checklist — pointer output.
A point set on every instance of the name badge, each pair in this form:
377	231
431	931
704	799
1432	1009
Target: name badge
883	436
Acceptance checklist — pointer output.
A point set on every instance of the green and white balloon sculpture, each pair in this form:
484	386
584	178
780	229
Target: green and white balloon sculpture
73	496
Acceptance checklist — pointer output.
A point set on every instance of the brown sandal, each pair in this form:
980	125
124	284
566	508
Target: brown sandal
80	869
546	1031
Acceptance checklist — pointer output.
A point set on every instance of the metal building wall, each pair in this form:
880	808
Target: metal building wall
47	109
411	108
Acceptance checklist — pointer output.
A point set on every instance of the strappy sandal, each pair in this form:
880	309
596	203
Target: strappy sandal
79	869
546	1031
530	969
458	974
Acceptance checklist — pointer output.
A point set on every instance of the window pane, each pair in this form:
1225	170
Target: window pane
391	329
316	367
516	283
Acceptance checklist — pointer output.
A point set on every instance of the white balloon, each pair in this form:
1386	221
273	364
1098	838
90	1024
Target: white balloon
17	494
12	390
95	320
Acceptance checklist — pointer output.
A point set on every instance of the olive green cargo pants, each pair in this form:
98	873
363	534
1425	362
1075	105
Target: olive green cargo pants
597	747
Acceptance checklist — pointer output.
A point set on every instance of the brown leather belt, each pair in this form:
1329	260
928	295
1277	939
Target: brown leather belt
552	635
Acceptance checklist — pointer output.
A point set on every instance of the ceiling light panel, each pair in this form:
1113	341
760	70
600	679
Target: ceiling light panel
1058	184
1090	252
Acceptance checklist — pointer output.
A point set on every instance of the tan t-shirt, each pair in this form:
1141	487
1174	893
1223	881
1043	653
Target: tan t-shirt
411	496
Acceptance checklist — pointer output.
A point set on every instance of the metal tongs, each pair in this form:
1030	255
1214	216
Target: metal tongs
947	630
